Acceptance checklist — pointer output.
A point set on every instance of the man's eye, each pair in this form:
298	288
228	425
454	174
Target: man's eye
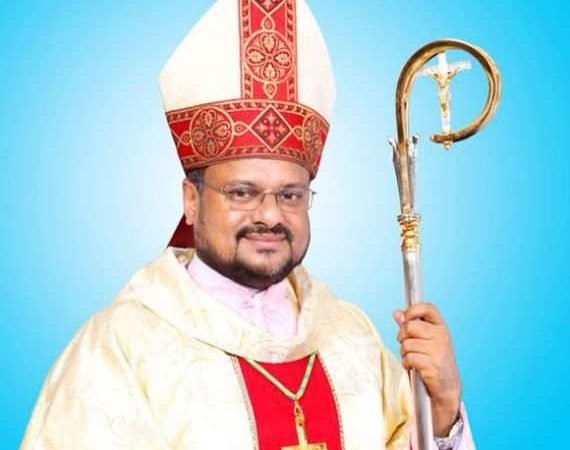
292	195
241	193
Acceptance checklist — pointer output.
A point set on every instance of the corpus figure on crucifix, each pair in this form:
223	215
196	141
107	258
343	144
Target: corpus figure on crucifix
442	73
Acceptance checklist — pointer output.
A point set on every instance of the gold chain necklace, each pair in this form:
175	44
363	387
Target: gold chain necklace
295	397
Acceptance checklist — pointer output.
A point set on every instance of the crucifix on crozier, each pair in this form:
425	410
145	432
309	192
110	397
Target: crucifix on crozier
442	73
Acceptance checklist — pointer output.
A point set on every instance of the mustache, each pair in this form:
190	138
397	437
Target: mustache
278	229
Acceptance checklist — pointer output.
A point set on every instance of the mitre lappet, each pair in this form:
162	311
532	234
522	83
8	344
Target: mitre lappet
252	79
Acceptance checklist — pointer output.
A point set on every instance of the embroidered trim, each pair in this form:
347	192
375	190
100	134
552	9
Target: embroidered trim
247	401
336	403
215	132
268	32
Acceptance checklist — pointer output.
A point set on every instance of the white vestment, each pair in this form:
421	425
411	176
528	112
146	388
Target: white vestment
155	370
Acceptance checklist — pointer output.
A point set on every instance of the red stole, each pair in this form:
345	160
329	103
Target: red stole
273	411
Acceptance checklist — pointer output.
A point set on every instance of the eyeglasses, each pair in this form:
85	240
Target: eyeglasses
249	197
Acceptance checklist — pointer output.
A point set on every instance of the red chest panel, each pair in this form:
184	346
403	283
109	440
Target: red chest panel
273	411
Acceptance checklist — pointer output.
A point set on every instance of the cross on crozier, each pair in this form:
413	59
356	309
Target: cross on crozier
442	73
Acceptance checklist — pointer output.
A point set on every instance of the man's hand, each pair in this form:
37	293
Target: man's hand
425	345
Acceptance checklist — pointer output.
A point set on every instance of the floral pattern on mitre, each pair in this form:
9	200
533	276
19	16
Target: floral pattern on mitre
217	132
268	57
211	132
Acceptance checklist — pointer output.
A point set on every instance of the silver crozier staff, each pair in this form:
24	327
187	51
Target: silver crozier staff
404	155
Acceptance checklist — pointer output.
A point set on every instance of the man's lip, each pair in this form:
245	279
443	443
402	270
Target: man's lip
265	237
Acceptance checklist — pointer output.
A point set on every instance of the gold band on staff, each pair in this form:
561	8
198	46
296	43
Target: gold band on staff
410	232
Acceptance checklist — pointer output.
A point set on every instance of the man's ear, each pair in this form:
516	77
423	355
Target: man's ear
191	197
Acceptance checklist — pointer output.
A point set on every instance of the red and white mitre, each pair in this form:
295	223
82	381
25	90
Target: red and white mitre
252	79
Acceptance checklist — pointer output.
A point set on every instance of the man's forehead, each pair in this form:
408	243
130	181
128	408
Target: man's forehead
261	171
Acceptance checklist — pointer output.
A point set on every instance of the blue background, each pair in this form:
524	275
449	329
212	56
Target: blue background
90	188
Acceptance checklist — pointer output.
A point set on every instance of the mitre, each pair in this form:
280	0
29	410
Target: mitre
252	79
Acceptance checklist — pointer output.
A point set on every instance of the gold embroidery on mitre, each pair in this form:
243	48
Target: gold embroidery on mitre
268	49
268	5
268	57
240	128
313	132
271	128
211	131
219	131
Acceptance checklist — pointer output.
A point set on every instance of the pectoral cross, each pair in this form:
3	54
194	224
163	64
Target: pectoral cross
301	434
442	73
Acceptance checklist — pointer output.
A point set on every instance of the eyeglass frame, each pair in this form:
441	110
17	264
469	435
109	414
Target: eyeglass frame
261	196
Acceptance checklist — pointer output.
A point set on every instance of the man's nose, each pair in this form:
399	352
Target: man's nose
268	210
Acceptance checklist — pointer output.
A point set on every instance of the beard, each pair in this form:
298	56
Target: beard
239	269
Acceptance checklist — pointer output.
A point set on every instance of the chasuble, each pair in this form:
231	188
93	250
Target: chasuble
164	367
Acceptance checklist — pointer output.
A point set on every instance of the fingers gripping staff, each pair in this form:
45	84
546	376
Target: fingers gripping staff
425	345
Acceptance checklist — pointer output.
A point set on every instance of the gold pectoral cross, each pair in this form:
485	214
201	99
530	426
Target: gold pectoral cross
301	433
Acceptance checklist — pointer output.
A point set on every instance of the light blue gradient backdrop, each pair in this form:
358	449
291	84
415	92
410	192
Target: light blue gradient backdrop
90	188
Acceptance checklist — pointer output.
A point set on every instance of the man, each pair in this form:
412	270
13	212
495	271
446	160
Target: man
234	345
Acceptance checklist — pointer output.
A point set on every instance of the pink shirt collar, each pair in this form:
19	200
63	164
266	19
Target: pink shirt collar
271	309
